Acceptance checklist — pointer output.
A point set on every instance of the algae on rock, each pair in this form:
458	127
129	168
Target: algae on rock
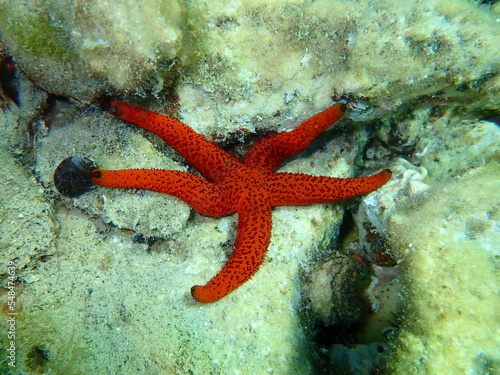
233	65
78	48
27	225
270	62
450	247
444	231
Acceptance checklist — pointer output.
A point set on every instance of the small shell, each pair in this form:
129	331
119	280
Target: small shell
72	176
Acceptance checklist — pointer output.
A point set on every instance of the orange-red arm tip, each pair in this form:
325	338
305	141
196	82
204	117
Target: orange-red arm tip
200	294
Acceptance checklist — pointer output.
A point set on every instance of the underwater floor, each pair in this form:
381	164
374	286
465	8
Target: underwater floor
386	276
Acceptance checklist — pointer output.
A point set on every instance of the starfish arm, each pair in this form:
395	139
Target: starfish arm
252	241
202	195
294	189
270	152
203	155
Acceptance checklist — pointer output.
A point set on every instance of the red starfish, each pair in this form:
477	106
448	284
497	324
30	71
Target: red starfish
250	187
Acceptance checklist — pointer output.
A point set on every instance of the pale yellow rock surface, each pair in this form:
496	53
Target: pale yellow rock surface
449	244
271	61
79	48
233	64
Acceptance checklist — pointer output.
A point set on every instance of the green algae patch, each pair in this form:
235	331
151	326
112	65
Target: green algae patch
37	32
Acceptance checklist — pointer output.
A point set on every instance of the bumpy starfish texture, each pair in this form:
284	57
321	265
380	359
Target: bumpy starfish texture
250	187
